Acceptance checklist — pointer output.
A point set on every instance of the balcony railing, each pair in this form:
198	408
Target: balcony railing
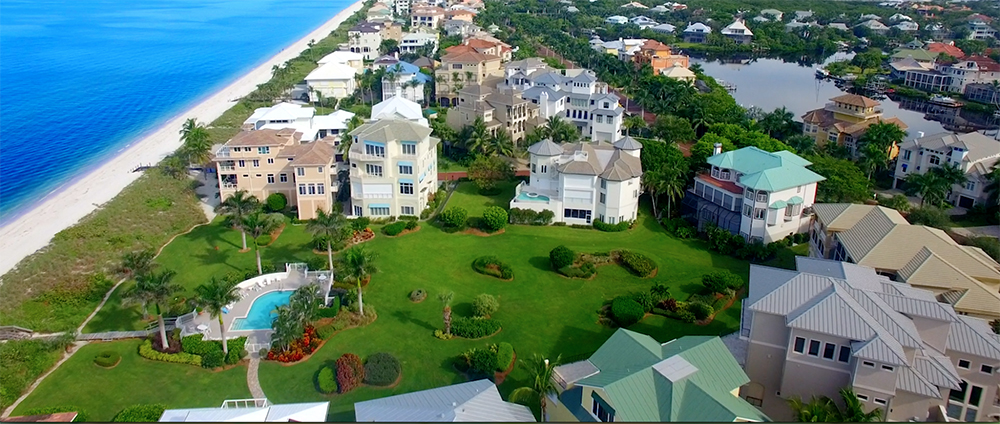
227	167
223	153
226	185
364	157
378	195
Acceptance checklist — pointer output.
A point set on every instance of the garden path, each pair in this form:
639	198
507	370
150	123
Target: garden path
75	347
252	381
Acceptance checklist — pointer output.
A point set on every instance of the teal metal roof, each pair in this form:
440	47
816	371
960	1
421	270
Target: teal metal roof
633	376
778	205
765	170
795	200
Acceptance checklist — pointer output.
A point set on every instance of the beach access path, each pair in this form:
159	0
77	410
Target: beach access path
34	229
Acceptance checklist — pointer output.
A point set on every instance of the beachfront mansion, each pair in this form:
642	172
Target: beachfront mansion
286	149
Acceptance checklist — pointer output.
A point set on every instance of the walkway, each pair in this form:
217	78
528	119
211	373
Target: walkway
10	409
252	381
988	231
115	335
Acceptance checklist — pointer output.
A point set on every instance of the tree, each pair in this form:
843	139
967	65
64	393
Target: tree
358	264
197	142
500	145
674	177
476	137
817	410
136	264
935	184
876	144
347	140
634	123
486	172
388	46
155	289
870	59
446	299
560	131
214	297
704	148
332	227
541	384
844	181
258	224
673	129
992	188
779	123
853	411
929	216
237	207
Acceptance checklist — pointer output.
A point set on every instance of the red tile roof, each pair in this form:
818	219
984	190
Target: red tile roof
947	49
725	185
984	63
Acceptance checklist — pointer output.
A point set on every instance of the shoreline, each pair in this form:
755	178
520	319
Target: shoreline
34	228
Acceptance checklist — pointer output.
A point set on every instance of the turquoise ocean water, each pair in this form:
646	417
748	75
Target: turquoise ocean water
80	80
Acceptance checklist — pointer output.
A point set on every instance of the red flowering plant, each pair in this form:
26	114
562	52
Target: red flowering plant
294	337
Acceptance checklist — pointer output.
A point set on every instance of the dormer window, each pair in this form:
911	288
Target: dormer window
726	174
748	194
715	172
761	196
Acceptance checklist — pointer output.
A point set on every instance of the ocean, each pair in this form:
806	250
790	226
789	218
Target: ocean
81	80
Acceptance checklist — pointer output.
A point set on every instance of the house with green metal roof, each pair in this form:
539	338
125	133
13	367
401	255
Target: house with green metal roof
762	196
634	378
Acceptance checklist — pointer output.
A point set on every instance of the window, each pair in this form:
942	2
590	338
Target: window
761	196
319	169
747	210
545	169
604	183
888	368
312	188
863	398
576	213
532	168
270	160
800	345
986	369
320	189
963	364
283	178
375	150
256	163
964	402
829	350
406	210
300	172
263	150
379	210
935	160
971	185
373	170
406	169
358	210
814	347
845	354
880	401
758	213
726	174
748	194
405	188
599	119
409	149
270	178
715	172
906	155
602	198
868	364
601	413
242	163
302	189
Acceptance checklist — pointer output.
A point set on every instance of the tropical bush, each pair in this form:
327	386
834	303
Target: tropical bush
626	311
395	228
330	311
360	223
494	218
276	202
236	355
411	224
722	281
481	361
350	372
505	356
485	305
418	295
81	415
326	380
474	328
680	228
108	359
454	217
213	359
929	216
645	300
700	310
297	349
611	228
140	414
686	316
561	256
530	217
669	304
492	265
723	241
382	369
146	351
585	270
638	263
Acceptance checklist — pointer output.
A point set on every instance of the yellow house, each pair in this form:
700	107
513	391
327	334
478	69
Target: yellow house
844	120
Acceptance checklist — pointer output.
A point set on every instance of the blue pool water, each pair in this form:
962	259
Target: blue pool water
83	79
523	197
262	312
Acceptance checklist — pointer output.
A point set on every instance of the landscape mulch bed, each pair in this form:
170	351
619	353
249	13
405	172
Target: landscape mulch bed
499	377
405	232
481	233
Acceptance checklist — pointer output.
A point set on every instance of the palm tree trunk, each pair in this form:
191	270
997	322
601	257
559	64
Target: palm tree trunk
260	269
447	320
361	303
329	253
222	330
652	196
163	328
670	200
244	233
542	404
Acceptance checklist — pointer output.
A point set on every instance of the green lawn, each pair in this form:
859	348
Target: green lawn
785	258
445	164
467	196
103	392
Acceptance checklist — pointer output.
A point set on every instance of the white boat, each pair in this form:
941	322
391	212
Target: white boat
822	73
946	101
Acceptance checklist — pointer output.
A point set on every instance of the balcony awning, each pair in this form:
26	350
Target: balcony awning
778	205
795	200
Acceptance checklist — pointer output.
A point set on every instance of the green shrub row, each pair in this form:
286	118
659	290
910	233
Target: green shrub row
146	351
382	369
211	350
584	271
505	356
140	414
700	310
474	328
492	265
530	217
638	263
626	311
680	228
395	228
612	228
488	360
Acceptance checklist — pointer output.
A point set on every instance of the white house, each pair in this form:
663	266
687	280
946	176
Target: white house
759	195
875	26
576	97
738	32
332	80
697	33
300	118
344	57
398	107
365	38
251	410
393	168
616	20
473	401
415	40
907	26
973	153
664	28
773	14
580	182
406	80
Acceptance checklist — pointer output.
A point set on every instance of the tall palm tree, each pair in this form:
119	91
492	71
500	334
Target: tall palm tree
500	144
951	174
446	299
652	182
476	137
634	122
197	145
189	125
854	411
346	140
358	264
541	371
137	263
153	289
331	226
258	224
673	183
817	410
214	297
993	186
560	131
238	206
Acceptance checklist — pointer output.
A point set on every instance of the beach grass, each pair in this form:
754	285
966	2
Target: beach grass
22	362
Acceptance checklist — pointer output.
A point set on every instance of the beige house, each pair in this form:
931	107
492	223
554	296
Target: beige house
463	68
845	120
500	109
426	16
880	238
393	167
830	325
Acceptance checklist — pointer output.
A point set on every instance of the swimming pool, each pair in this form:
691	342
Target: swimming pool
531	197
262	311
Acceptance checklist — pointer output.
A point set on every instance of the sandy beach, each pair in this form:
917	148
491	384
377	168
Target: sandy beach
35	228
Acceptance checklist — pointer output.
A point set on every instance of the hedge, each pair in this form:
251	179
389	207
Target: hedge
395	228
140	414
81	415
611	228
330	311
720	281
213	359
700	310
146	351
454	216
276	202
638	263
350	372
530	217
107	359
326	381
382	369
474	328
481	361
626	311
494	218
505	356
499	269
644	299
561	256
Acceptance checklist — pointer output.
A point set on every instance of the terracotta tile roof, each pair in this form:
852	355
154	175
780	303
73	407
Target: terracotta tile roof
318	153
264	137
856	100
467	56
481	44
861	127
654	45
984	63
948	49
725	185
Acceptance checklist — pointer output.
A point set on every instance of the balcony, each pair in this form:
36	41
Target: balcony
223	153
229	186
358	156
832	107
227	168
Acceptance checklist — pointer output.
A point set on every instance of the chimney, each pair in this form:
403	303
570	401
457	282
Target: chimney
920	134
717	148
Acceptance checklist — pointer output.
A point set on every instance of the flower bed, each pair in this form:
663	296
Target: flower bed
493	266
298	349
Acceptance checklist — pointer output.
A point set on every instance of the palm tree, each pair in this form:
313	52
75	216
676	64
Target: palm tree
560	131
476	137
136	264
634	122
993	186
673	183
331	226
153	289
500	144
189	125
238	206
951	174
346	140
358	264
446	299
854	411
214	297
542	384
258	224
818	410
652	182
197	145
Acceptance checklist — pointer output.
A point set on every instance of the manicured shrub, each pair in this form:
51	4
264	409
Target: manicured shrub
81	415
505	356
107	359
611	228
324	332
411	224
326	380
441	335
382	369
235	356
638	263
645	300
680	228
350	372
146	351
474	328
491	265
585	270
722	241
481	361
722	281
454	216
140	414
276	202
561	256
485	305
494	218
686	316
329	311
700	310
626	311
197	345
213	359
359	224
418	295
669	304
395	228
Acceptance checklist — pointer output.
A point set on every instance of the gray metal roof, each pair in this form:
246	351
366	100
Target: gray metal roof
938	370
385	130
909	381
835	314
973	336
467	402
545	148
628	143
919	307
880	350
